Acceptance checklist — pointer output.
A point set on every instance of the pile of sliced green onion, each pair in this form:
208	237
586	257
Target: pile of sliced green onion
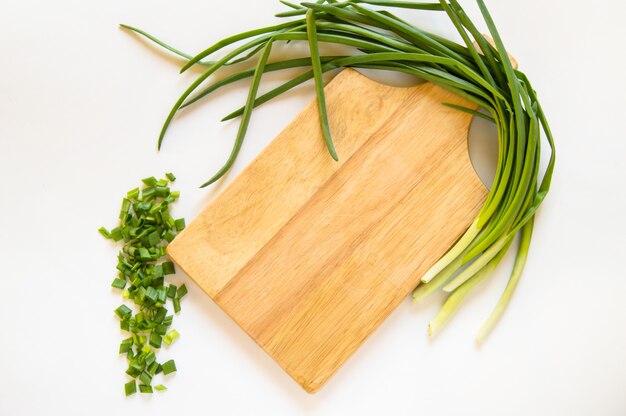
145	229
475	70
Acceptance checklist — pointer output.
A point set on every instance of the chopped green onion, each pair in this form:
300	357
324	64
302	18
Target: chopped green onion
118	283
148	193
155	340
126	345
117	234
133	194
168	267
145	228
145	378
145	389
181	292
151	294
169	367
154	238
171	336
180	224
150	358
151	181
123	311
160	315
171	291
161	191
133	371
169	236
130	388
160	387
124	325
161	294
161	329
152	368
170	176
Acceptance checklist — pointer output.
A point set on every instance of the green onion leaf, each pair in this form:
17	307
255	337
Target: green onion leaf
145	389
169	367
145	378
181	292
180	224
123	311
126	345
168	268
171	336
130	388
171	291
118	283
151	181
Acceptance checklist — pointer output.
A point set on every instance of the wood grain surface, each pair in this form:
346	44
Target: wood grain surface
309	255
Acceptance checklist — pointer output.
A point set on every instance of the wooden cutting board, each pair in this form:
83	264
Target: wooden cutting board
309	255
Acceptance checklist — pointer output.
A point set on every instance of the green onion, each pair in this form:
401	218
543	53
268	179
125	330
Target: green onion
171	336
145	228
118	283
130	388
123	311
133	194
155	339
126	345
152	368
182	291
161	329
151	181
162	44
150	358
145	389
168	268
160	387
169	367
482	74
171	291
319	82
145	378
133	371
179	224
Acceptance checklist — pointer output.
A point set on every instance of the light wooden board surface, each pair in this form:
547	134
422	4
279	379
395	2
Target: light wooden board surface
309	255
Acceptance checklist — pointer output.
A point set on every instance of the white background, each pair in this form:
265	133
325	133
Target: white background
81	104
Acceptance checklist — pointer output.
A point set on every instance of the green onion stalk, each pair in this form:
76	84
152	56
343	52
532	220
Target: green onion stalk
477	70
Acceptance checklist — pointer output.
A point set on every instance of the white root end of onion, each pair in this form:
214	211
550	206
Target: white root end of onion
453	253
477	265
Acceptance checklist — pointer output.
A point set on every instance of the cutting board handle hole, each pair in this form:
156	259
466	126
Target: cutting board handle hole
483	149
